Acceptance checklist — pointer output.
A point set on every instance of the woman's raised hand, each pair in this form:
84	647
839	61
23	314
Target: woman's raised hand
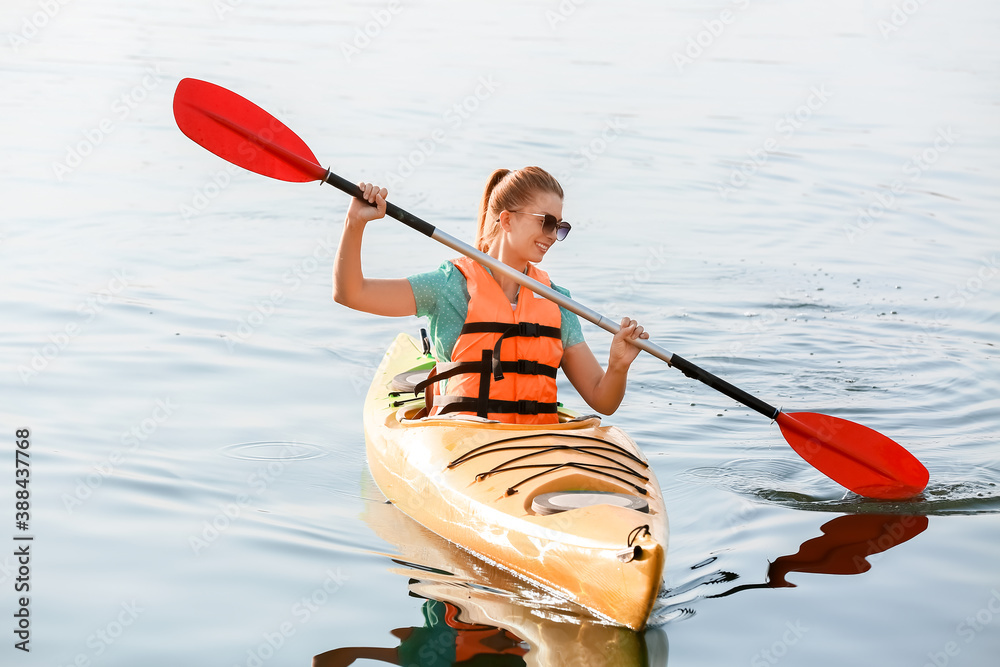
360	212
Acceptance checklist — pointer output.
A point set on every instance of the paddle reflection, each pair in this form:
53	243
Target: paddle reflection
844	547
476	615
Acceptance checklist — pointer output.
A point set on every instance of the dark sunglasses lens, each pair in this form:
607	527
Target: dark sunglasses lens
562	230
551	224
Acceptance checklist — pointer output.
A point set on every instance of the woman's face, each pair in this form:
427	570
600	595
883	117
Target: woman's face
523	232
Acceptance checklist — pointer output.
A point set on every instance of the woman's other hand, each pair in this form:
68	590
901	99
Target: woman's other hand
623	353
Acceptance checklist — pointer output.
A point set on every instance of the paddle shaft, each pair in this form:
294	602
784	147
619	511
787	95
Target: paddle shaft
497	267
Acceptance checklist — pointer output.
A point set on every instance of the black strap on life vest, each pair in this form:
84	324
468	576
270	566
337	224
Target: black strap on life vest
482	405
508	330
448	404
491	368
524	329
451	369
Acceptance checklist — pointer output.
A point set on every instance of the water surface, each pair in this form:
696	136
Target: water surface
802	203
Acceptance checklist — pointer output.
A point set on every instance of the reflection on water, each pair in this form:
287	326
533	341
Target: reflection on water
444	639
478	614
844	547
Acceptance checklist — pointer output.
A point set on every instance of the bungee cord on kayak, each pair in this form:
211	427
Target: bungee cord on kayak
513	464
481	449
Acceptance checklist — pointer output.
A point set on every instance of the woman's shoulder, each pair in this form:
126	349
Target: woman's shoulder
431	289
446	272
572	333
561	290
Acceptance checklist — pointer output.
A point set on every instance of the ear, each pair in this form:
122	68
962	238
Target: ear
505	221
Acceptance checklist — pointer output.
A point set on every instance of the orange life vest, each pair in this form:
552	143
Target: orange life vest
504	363
474	639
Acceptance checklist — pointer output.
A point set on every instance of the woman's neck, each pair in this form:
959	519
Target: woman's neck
518	262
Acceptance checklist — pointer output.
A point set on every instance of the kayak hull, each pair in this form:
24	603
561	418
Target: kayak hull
476	484
562	633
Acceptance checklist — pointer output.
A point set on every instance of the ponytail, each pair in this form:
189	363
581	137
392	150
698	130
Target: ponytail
489	226
507	190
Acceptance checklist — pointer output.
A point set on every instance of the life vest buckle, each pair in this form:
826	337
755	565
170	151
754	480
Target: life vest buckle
529	329
527	367
527	407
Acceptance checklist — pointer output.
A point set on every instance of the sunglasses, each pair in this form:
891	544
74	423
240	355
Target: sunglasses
551	224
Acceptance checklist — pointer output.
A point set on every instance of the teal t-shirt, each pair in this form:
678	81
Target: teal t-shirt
442	296
436	644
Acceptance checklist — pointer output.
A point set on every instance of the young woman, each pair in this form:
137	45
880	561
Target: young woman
497	345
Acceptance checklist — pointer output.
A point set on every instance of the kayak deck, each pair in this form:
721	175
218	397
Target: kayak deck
476	483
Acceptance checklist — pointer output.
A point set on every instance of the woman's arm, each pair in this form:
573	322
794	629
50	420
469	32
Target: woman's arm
603	390
392	298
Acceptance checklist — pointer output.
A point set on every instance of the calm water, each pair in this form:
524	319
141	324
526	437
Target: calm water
798	196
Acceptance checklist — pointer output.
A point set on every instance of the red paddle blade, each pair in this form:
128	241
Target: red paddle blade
855	456
237	130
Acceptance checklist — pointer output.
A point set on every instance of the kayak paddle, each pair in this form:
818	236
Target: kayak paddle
237	130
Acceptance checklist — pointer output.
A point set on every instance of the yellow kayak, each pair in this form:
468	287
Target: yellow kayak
572	506
562	633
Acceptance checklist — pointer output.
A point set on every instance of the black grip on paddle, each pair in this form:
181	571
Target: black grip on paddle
410	220
735	393
393	211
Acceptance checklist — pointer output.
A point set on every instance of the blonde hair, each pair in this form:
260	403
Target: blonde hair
507	190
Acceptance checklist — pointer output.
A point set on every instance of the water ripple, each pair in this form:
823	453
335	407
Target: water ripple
953	488
274	451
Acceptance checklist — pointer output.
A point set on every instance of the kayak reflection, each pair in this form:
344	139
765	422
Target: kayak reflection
445	639
476	614
844	547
